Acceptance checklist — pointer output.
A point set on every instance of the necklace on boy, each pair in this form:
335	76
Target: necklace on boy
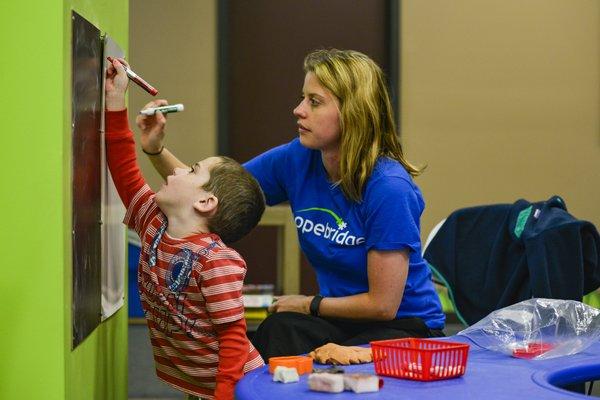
155	241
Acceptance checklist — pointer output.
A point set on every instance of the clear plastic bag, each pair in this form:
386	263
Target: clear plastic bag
538	329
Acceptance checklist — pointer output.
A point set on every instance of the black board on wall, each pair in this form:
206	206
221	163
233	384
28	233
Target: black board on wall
87	48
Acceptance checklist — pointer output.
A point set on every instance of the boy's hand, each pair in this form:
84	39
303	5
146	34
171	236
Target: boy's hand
116	85
152	127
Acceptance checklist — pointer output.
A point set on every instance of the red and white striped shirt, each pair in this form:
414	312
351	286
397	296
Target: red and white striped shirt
191	294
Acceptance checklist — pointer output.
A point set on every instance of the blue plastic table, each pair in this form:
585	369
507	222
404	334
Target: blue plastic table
488	376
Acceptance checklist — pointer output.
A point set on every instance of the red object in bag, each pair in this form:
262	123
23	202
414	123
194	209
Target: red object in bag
532	350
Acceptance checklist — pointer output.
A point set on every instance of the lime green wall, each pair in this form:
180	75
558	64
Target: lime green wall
35	286
33	303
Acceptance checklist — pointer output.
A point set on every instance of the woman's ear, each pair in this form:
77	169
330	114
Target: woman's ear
207	205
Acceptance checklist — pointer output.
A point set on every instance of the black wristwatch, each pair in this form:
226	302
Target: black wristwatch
314	305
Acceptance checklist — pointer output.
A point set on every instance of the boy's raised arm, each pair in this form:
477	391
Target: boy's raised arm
120	145
152	141
165	162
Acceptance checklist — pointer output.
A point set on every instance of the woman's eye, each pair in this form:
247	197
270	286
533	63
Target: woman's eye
314	102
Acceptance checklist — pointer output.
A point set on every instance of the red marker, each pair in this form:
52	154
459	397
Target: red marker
137	79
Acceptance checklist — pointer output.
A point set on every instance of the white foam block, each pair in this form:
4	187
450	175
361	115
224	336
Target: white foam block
285	374
324	382
361	383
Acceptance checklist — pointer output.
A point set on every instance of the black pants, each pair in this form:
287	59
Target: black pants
290	333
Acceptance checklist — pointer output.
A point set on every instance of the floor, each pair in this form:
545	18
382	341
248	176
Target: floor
144	385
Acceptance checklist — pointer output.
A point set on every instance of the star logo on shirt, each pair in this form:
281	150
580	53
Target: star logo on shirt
338	220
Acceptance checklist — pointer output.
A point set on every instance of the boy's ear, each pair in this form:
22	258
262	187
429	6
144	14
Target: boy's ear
207	205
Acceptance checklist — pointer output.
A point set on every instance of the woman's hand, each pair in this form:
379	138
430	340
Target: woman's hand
152	127
296	303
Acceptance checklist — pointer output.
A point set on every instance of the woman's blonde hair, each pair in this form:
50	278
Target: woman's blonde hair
368	130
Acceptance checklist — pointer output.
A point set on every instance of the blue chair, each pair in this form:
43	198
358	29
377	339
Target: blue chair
133	257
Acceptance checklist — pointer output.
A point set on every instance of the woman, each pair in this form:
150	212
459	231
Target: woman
356	208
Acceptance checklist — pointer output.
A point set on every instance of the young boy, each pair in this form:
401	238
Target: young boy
190	282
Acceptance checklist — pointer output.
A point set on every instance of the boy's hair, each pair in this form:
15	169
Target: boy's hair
241	200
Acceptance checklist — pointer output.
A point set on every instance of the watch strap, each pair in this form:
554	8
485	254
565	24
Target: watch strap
314	305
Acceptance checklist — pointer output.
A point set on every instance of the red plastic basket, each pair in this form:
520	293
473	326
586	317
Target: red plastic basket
419	359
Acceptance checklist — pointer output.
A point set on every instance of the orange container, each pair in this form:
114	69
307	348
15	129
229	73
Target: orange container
303	364
419	359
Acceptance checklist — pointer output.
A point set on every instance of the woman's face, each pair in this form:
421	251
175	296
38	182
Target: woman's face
318	116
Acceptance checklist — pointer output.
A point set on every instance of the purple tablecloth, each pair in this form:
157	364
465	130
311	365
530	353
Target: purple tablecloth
488	376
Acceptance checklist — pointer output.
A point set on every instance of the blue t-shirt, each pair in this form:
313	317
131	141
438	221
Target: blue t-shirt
336	233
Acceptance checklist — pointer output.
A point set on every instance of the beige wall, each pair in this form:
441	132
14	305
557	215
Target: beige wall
501	98
173	45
